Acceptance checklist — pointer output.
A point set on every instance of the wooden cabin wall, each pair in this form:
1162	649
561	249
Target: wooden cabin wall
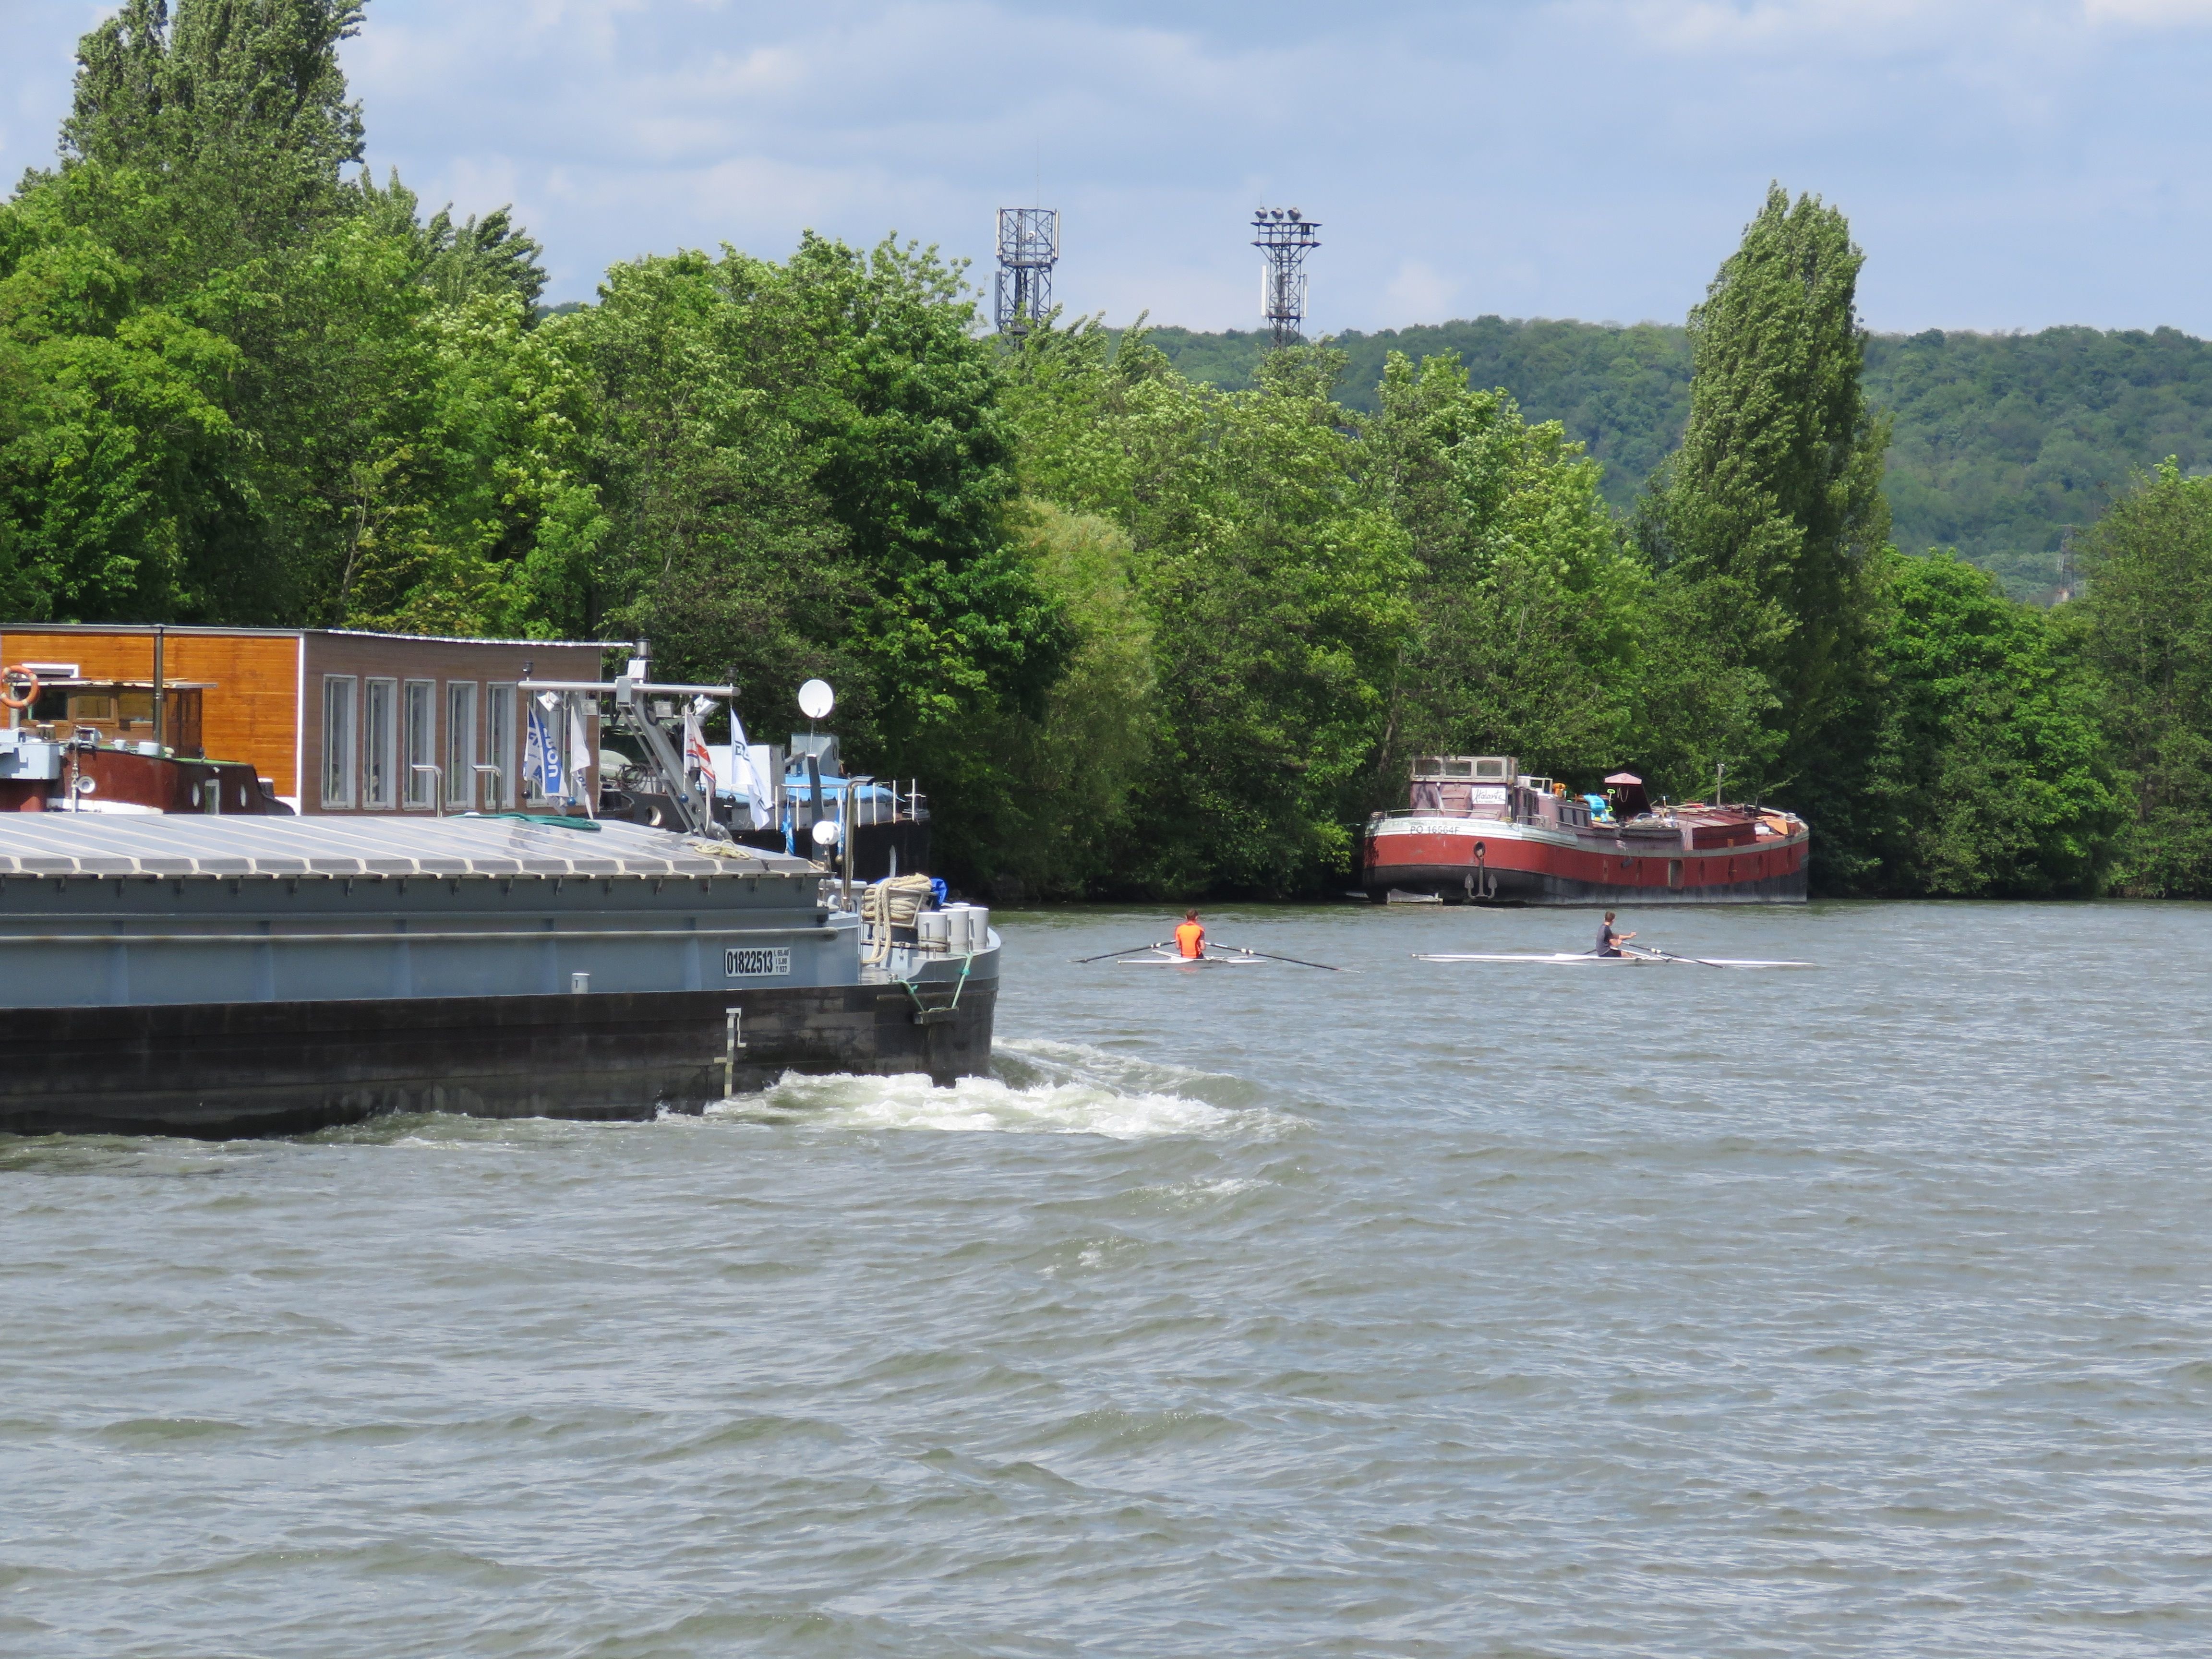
251	711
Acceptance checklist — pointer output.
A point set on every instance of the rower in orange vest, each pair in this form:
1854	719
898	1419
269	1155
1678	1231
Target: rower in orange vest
1190	938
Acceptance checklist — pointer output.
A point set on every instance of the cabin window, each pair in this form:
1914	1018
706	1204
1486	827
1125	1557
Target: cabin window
461	744
499	722
418	731
340	755
380	743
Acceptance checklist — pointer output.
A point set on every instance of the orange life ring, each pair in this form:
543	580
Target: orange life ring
8	680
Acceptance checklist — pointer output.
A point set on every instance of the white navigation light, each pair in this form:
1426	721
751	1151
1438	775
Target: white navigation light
825	832
815	699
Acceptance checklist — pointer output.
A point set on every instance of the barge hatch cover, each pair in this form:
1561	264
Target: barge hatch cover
177	846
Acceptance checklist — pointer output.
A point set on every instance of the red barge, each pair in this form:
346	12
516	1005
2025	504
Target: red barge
1478	830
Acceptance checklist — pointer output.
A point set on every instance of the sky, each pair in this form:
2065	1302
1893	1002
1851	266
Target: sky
2005	164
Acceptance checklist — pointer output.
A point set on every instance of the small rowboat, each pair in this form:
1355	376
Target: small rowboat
1169	960
1564	959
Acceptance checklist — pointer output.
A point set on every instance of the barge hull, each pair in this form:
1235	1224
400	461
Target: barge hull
1457	884
219	1070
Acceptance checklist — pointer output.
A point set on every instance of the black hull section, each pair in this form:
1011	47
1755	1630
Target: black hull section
1455	884
218	1071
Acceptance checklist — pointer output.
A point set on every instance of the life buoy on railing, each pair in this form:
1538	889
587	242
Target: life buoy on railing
12	678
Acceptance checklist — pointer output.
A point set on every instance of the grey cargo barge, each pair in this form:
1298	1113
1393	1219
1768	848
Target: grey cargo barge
221	976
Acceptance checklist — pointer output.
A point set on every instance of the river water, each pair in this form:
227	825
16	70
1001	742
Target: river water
1421	1310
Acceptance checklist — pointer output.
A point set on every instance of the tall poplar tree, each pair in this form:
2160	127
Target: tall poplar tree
1770	521
233	114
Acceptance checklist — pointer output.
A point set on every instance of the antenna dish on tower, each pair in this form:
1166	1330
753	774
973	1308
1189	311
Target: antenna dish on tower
1285	244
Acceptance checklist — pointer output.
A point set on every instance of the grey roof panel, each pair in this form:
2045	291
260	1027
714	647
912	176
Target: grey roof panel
190	844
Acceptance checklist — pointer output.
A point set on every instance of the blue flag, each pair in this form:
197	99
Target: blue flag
542	754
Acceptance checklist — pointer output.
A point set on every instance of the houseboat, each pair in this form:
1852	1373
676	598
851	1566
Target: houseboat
1477	829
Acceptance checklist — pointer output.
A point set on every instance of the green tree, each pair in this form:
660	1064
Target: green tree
1770	517
1081	759
1274	585
1526	605
1988	776
2148	618
458	262
379	442
235	111
121	470
806	470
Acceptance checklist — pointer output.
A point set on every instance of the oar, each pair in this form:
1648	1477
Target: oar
1247	950
1131	951
1665	956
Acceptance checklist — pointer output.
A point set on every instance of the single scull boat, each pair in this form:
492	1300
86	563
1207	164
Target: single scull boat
1159	958
1566	958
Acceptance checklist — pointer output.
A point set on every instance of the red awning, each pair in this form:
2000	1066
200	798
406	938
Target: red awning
1623	777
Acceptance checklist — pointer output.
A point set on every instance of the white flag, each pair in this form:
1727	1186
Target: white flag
580	756
744	776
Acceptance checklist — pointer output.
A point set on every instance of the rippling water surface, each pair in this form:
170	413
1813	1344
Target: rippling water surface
1422	1309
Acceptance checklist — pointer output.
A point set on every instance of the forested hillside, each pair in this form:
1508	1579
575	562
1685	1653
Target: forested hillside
2003	445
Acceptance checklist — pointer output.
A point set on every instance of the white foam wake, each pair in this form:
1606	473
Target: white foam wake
1044	1088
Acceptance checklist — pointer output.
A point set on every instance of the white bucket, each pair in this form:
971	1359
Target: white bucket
979	927
933	930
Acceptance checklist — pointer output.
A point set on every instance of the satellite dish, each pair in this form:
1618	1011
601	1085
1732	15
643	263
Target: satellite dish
825	830
815	699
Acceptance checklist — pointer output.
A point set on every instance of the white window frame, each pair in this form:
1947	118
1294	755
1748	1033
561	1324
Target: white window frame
418	744
501	704
379	751
461	737
340	747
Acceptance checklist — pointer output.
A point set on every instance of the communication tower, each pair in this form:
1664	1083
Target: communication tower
1284	239
1028	247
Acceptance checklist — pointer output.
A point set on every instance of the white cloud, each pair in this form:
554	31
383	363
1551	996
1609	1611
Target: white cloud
1419	293
2154	12
2005	162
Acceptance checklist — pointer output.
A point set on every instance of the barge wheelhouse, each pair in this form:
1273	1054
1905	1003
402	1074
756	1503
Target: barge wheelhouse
1477	829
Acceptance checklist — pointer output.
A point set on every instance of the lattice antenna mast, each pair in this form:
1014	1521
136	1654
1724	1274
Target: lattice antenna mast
1284	239
1028	247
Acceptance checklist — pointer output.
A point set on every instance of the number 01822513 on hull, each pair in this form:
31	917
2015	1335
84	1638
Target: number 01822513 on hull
219	977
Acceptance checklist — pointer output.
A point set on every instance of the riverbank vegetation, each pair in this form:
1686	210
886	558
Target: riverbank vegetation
1137	630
